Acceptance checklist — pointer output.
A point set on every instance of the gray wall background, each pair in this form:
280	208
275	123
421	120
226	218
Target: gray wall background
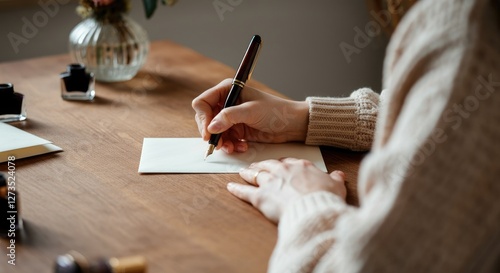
301	55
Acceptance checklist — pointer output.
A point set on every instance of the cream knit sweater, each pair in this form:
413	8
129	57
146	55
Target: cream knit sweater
430	187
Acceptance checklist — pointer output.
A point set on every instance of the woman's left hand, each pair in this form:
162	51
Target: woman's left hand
277	183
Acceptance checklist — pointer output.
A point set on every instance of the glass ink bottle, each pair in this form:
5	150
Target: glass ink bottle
12	107
74	262
77	84
10	221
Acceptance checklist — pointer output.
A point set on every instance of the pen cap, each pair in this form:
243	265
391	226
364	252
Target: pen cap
249	60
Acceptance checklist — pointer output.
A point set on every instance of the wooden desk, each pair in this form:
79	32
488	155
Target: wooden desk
90	197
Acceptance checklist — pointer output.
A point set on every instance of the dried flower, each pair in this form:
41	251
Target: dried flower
150	5
98	3
112	10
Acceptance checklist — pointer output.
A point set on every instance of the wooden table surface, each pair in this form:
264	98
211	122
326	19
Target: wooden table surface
90	197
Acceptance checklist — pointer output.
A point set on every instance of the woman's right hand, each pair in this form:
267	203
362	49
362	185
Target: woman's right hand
257	116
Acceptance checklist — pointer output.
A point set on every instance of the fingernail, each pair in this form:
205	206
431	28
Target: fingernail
214	126
230	185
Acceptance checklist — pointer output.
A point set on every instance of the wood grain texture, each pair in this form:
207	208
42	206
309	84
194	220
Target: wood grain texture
90	198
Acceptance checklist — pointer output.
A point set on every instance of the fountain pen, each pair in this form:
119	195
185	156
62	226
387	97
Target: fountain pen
242	75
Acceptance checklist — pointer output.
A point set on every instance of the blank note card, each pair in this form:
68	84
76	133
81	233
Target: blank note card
186	155
20	144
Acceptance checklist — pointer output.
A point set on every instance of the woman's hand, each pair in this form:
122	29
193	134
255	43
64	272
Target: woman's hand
258	116
277	183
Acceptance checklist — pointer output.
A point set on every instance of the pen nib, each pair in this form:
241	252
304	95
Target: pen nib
210	150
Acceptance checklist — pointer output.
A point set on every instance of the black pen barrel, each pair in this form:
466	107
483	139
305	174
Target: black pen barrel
247	64
233	95
230	101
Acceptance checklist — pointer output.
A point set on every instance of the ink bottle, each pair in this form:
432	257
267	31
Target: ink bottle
12	107
74	262
10	221
77	84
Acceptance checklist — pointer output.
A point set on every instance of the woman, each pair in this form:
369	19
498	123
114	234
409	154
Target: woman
428	188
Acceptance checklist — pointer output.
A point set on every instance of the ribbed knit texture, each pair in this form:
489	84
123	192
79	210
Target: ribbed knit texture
346	123
429	189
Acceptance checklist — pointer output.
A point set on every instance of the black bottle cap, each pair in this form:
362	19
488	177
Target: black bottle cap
3	181
6	89
73	262
76	69
66	264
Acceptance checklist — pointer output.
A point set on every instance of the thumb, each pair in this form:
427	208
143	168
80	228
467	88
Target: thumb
337	175
228	117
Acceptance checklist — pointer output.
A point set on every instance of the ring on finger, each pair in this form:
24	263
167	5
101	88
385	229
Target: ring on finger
254	180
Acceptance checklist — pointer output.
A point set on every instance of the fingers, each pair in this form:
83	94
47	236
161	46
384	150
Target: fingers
205	104
270	164
259	199
243	192
212	119
214	95
259	172
234	145
338	178
201	121
291	160
275	183
244	113
337	175
220	123
263	168
255	176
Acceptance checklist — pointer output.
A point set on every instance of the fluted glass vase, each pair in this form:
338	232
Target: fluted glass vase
112	51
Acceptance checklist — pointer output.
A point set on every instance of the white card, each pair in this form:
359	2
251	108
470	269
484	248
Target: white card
20	144
186	155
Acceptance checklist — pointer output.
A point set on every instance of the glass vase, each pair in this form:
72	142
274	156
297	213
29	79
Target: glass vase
112	51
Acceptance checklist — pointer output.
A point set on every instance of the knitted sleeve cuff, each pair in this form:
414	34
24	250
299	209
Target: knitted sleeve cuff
305	231
343	122
319	207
